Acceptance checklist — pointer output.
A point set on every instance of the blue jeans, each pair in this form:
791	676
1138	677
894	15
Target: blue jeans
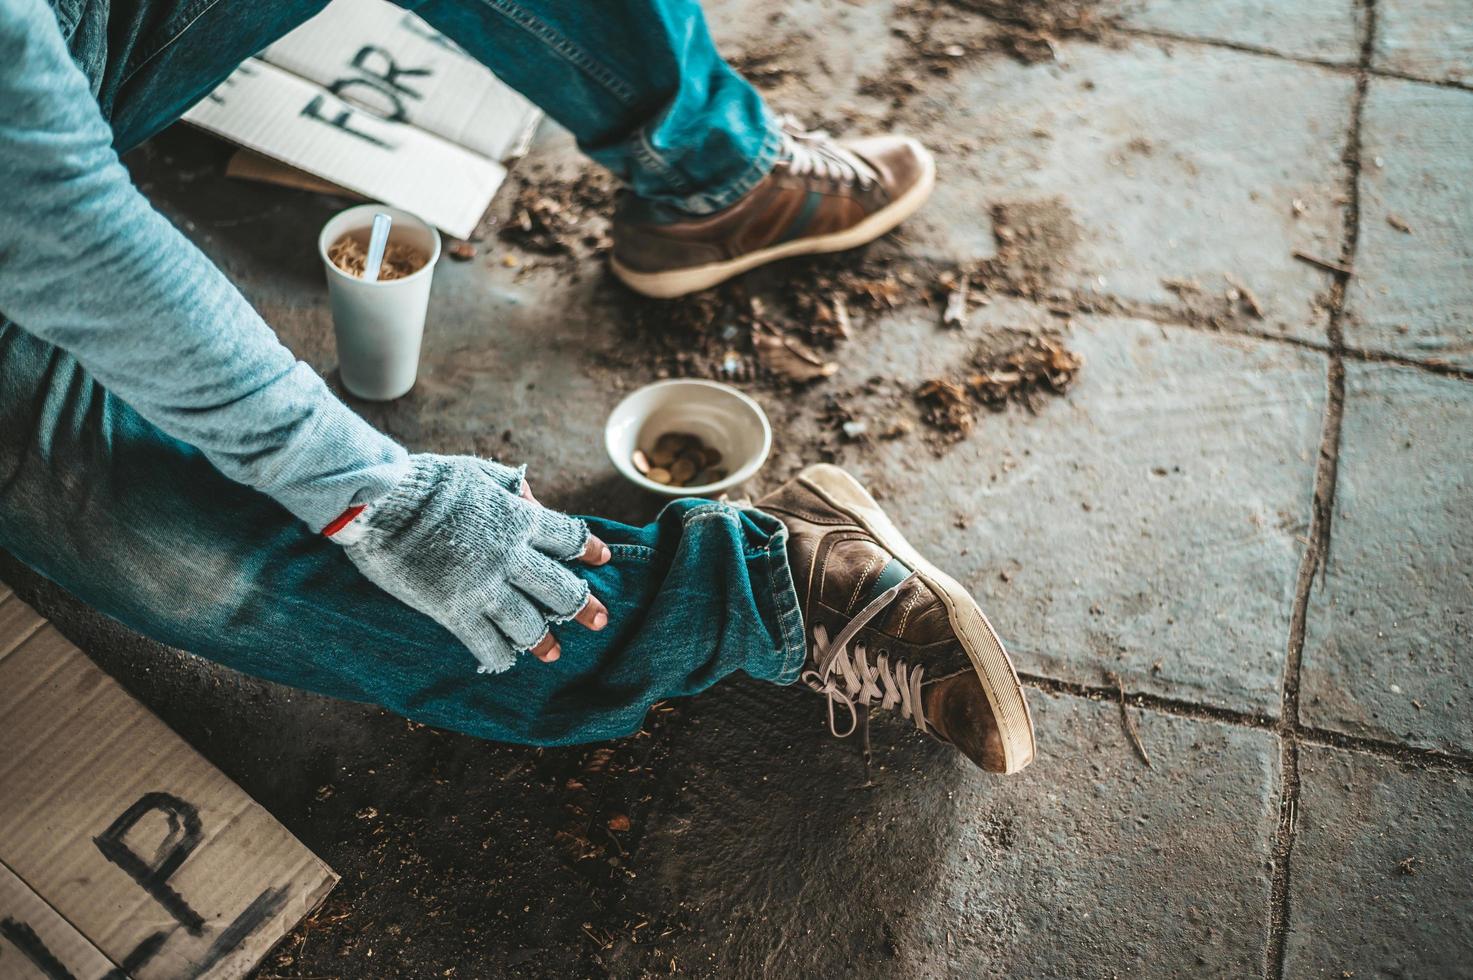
638	82
144	528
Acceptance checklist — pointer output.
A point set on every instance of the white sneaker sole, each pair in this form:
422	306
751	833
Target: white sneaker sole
679	282
994	668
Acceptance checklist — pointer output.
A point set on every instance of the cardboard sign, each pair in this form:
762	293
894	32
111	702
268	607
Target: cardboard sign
368	97
123	853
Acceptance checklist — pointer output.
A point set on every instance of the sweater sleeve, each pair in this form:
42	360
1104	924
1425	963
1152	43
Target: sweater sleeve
88	265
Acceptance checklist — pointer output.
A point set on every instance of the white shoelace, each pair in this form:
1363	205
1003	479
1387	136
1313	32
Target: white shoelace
847	678
815	152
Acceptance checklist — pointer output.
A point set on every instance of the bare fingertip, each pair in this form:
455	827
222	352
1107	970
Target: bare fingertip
600	620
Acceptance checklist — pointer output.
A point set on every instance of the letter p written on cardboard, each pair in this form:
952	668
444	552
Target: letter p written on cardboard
123	853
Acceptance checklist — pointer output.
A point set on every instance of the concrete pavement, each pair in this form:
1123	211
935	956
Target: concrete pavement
1255	514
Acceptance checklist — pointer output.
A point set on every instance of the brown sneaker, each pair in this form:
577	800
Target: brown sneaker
822	196
888	628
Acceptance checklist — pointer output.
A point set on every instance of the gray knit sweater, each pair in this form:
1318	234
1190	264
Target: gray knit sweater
88	265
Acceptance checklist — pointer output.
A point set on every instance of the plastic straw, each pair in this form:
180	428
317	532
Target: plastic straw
378	240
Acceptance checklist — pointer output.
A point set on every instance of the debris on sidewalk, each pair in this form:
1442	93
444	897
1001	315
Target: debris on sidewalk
1030	31
1040	365
1183	288
1128	721
1239	294
555	217
792	332
1205	306
1399	223
740	331
1325	264
955	314
768	62
1034	240
842	323
1023	374
939	37
788	357
875	290
943	33
947	406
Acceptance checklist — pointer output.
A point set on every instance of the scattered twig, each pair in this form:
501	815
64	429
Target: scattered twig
1325	264
956	305
1128	721
1183	288
602	943
841	317
1245	296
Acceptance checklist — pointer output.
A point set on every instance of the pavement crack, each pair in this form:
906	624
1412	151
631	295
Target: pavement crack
1430	759
1362	67
1151	702
1434	366
1317	551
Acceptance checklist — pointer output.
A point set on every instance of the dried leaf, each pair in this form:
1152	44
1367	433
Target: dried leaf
790	358
1039	365
947	405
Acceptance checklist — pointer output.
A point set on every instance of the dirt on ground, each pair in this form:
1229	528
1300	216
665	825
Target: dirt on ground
782	329
1026	374
768	63
558	217
589	802
1030	30
939	36
787	330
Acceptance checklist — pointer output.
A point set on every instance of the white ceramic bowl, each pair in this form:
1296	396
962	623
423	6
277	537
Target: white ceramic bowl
723	418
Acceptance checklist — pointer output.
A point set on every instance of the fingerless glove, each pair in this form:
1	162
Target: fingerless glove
455	541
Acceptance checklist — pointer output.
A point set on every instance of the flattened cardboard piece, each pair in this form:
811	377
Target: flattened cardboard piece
38	944
250	165
131	839
281	116
370	98
381	58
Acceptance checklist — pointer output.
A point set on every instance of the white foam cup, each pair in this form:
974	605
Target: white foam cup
379	325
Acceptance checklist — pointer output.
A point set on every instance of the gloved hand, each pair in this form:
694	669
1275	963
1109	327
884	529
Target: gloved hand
459	542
